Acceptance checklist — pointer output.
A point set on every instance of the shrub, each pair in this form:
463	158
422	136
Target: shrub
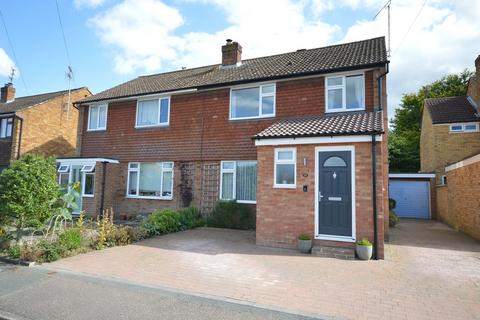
162	221
392	203
119	236
138	233
364	242
190	218
50	251
14	251
30	252
71	239
233	215
28	190
393	219
304	236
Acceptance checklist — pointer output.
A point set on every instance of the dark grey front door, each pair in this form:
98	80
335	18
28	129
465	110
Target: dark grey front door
335	193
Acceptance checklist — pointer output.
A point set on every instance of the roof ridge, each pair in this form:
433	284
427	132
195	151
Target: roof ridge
449	97
266	56
53	92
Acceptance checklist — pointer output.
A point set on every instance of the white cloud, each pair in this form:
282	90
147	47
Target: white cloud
88	3
444	39
6	64
144	34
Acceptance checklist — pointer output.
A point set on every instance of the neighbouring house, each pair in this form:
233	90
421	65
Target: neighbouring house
300	137
43	124
450	147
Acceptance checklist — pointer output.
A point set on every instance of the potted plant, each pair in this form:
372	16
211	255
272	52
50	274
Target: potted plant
364	249
304	243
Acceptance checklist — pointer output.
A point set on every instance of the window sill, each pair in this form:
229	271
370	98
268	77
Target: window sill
96	130
149	198
153	126
88	196
247	201
284	186
344	110
253	118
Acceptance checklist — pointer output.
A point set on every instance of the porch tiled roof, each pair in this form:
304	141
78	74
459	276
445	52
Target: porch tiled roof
348	123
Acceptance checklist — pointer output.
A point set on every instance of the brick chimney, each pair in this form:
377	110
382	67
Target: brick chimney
231	53
473	90
477	67
7	93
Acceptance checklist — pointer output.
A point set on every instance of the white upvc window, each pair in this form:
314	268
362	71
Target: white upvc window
464	127
6	126
150	180
345	92
63	168
88	168
153	112
285	169
252	102
88	184
97	117
238	180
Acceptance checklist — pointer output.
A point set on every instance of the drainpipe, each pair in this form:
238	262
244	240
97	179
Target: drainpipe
374	197
20	135
104	177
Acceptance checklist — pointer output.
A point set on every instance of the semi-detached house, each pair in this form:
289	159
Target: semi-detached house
300	137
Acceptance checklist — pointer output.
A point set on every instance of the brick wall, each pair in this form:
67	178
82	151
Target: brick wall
283	214
46	129
200	128
439	147
458	203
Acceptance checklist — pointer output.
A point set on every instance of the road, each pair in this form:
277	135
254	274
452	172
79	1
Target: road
39	293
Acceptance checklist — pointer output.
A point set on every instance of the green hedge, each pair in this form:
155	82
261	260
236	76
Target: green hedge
232	215
168	221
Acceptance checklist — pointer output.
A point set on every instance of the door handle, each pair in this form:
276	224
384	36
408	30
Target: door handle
320	196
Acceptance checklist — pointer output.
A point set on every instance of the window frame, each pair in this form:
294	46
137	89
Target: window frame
98	128
4	132
343	86
463	126
88	168
84	177
292	161
261	95
234	171
138	170
159	105
66	170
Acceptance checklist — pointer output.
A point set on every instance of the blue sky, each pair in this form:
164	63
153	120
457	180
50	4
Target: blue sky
113	41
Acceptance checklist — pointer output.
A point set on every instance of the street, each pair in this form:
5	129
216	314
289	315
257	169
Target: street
38	293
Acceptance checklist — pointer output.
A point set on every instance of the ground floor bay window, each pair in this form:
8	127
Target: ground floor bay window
150	180
238	180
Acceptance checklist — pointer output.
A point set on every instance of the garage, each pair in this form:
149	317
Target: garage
412	194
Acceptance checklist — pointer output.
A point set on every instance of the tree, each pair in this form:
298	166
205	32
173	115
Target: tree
404	139
28	192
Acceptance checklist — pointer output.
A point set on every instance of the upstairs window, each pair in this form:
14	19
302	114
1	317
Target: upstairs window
464	127
6	126
345	93
252	102
152	113
97	117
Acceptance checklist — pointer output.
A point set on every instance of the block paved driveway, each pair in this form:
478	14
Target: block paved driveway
430	272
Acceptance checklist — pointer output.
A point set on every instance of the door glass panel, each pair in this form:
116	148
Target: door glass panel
334	162
77	178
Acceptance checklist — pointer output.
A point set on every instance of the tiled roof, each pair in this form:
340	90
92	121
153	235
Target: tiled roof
351	123
451	110
21	103
354	55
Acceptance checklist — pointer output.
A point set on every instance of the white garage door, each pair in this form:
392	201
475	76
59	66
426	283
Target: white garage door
413	198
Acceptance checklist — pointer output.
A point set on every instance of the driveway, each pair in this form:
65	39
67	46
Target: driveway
431	272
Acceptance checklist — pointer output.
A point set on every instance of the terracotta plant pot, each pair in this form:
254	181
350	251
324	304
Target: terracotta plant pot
364	252
304	246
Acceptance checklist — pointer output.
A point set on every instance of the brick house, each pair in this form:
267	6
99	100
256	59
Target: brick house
450	147
292	135
43	123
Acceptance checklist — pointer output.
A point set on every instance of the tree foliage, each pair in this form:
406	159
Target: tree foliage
404	140
28	191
